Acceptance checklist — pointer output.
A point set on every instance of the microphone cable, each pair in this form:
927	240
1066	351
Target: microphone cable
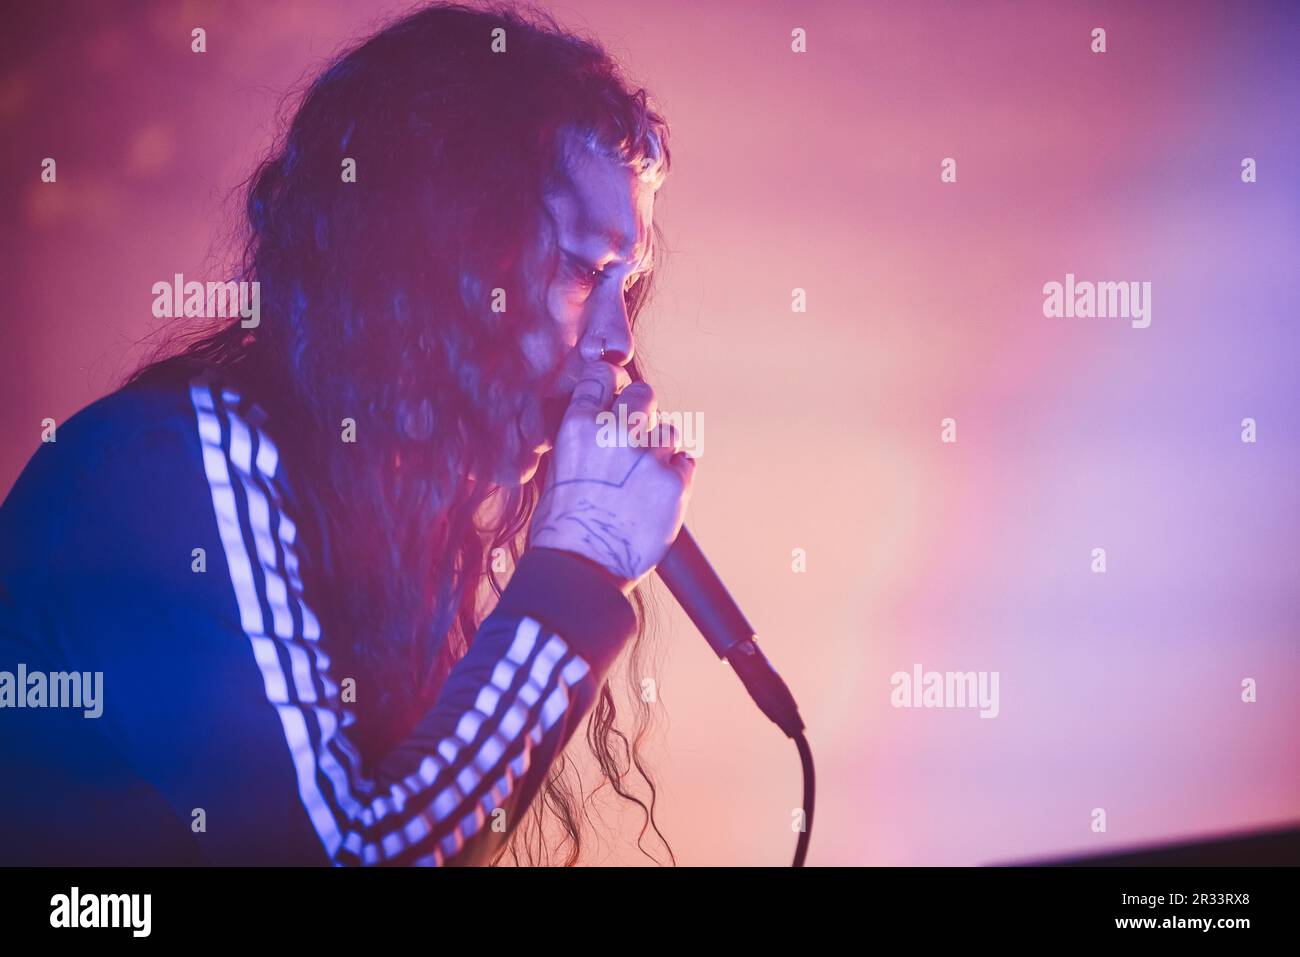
809	794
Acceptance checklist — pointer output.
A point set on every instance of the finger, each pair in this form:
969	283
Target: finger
594	391
665	441
684	465
639	397
621	379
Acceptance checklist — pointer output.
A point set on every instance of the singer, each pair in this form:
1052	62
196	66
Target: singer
277	543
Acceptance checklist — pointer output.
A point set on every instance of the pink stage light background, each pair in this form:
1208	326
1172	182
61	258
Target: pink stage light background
820	171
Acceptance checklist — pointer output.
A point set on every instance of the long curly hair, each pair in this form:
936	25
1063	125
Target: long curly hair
375	303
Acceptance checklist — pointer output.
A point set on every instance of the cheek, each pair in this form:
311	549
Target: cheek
545	347
539	349
566	307
567	310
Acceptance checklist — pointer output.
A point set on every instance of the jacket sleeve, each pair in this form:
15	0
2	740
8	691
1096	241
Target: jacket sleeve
455	789
223	736
458	786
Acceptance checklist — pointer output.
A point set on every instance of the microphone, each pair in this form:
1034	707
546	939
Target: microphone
698	589
709	605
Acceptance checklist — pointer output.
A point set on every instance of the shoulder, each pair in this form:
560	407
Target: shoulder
143	457
138	423
143	427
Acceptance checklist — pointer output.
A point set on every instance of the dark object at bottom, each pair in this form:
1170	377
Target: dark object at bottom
1277	848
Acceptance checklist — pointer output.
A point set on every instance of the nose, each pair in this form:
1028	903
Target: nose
609	335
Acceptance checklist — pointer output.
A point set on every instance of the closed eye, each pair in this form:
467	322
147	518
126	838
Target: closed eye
587	275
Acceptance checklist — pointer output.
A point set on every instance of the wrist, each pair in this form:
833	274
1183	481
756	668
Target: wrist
624	585
573	598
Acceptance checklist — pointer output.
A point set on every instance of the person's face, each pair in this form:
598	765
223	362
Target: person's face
602	218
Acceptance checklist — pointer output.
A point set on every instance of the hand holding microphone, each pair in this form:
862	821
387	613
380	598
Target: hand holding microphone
618	503
623	508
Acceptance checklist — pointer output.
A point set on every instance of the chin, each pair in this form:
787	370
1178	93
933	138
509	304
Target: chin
527	469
